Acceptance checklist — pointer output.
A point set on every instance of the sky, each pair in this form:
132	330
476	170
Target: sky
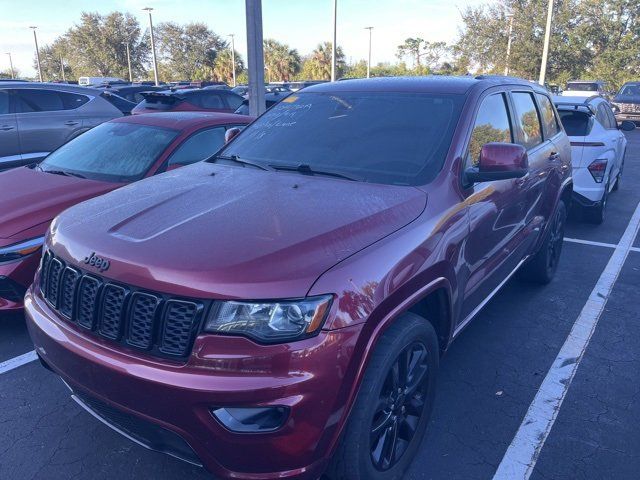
300	23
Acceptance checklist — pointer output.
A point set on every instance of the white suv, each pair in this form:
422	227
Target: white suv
597	150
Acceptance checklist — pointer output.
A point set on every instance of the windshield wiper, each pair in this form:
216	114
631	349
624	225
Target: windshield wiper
242	161
307	170
62	172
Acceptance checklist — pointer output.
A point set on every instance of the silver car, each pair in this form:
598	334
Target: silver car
36	118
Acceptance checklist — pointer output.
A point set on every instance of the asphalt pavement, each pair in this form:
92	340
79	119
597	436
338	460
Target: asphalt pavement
488	381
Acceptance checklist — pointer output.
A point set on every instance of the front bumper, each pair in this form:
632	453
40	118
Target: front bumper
312	377
15	278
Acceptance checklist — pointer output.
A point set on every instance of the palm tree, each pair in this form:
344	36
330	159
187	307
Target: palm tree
318	65
280	61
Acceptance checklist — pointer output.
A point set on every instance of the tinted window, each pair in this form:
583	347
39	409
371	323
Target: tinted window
4	102
33	100
549	120
212	100
234	101
527	119
198	147
576	124
609	117
492	125
585	87
113	151
602	117
394	138
158	102
632	90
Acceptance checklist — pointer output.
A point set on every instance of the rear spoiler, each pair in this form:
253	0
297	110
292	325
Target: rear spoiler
588	109
156	96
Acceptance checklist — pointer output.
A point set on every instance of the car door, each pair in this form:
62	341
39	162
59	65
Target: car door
619	138
46	119
10	155
495	209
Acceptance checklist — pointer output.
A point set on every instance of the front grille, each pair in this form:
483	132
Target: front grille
629	107
154	322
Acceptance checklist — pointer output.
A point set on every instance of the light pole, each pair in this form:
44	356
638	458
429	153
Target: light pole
369	60
545	50
255	57
153	47
13	75
64	79
129	61
35	39
506	66
233	58
333	46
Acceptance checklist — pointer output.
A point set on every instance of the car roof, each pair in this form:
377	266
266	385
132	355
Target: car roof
67	87
600	82
185	120
426	84
577	100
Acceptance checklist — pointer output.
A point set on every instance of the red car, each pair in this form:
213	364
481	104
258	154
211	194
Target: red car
189	100
280	310
105	158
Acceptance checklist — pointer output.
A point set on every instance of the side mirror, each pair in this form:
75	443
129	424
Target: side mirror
231	134
627	126
499	161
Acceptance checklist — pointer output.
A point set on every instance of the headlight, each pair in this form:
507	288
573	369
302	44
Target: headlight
269	322
19	250
615	107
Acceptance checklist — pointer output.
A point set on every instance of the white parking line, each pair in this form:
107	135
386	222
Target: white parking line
521	456
18	361
596	244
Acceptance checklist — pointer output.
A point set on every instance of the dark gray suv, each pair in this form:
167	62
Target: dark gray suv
37	118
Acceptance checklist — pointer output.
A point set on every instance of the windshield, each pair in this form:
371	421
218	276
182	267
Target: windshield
117	152
391	138
584	87
630	90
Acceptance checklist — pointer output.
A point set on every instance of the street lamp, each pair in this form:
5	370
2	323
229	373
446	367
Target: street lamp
153	47
369	60
126	44
35	38
13	75
545	50
333	46
506	66
64	79
233	58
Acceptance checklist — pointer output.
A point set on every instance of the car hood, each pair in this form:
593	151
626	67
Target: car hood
216	231
626	99
31	197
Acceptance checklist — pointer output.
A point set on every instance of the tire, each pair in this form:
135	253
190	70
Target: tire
596	215
379	404
542	267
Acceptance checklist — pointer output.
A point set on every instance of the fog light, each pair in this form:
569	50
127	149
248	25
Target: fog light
251	420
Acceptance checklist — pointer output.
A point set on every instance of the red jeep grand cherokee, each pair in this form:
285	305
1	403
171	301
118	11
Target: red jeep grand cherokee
279	311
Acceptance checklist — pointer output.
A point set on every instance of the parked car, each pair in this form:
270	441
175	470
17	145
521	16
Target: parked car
36	118
597	151
96	81
110	156
270	99
626	103
586	88
209	84
241	90
205	100
133	93
288	300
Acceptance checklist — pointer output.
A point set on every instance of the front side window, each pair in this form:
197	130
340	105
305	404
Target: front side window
234	101
113	151
527	119
198	147
549	120
379	137
4	102
492	125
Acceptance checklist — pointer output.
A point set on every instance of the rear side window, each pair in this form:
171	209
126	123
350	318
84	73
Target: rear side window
549	120
210	100
235	101
605	116
198	147
34	100
492	125
4	102
527	119
576	124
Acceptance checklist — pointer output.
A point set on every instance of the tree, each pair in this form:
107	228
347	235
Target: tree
280	61
184	50
222	70
317	66
6	74
412	47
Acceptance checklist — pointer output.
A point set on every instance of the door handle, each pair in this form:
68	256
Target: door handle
6	128
554	156
71	123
